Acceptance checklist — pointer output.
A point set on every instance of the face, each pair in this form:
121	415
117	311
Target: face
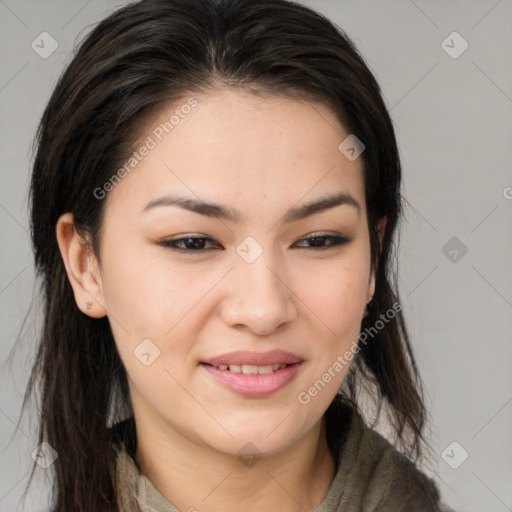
258	272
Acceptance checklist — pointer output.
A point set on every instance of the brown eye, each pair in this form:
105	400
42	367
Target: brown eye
188	244
319	241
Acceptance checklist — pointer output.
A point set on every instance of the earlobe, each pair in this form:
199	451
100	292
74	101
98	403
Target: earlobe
81	268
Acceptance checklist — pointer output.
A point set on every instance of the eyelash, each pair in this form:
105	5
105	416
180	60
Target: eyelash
336	240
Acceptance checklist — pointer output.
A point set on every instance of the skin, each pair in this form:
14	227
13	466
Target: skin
261	156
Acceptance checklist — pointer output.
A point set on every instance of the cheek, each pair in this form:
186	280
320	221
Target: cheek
336	294
147	293
150	299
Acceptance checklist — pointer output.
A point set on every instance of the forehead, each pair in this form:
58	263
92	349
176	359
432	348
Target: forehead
242	148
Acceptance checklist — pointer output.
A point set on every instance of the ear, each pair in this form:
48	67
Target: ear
381	228
81	267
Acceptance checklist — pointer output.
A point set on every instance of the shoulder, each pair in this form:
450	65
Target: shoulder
380	478
397	483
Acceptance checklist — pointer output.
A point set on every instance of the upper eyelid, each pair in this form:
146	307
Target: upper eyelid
315	234
309	235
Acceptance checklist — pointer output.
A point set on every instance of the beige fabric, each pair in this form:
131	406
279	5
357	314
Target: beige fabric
372	477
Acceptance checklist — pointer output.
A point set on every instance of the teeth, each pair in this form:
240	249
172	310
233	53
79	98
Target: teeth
265	369
250	369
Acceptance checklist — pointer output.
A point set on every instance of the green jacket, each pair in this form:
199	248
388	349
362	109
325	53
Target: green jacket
372	476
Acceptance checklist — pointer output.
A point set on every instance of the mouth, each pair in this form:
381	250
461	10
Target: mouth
252	381
249	369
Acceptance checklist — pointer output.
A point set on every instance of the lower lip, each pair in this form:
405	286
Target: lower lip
254	386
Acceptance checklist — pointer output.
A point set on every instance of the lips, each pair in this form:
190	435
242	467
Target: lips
247	358
254	385
254	374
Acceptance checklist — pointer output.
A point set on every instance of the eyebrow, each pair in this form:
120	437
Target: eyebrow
219	211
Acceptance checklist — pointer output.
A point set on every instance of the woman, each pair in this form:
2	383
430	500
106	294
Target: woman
215	197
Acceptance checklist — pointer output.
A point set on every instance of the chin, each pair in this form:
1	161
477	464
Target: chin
251	447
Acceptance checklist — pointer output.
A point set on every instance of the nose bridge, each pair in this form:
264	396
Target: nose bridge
259	297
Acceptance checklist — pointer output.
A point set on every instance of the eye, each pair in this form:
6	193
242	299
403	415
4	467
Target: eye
187	244
199	243
317	241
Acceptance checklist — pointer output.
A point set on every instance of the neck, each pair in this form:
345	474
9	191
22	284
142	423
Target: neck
200	477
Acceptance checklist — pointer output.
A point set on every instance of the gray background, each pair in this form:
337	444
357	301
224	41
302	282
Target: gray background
454	126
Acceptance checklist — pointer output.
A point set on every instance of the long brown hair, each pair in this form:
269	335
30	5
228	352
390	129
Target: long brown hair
139	57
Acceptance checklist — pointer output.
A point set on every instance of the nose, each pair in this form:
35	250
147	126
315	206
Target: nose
260	297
